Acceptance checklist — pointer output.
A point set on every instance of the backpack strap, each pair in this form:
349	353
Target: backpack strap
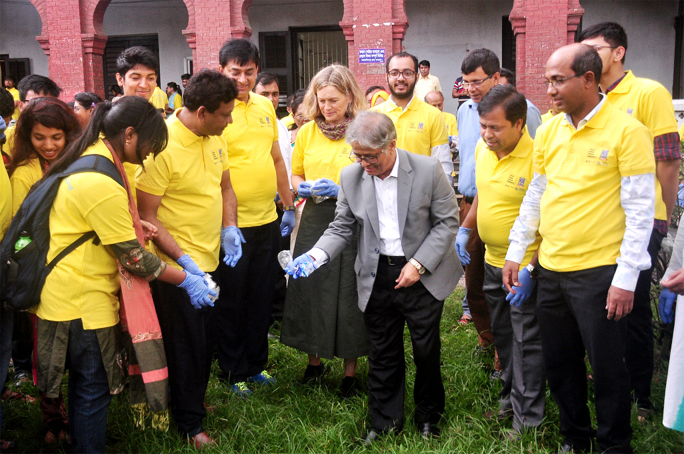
89	163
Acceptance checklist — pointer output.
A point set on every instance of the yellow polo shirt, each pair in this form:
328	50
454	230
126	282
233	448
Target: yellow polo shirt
187	175
85	284
9	139
5	202
547	116
249	140
23	178
425	85
159	99
288	121
582	221
315	156
451	123
501	186
15	95
420	127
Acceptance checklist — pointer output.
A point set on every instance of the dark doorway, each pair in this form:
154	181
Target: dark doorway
17	68
507	44
116	45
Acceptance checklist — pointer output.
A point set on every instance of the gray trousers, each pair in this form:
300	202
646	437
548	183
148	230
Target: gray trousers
516	336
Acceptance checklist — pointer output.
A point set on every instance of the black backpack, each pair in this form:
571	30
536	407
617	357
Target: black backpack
23	274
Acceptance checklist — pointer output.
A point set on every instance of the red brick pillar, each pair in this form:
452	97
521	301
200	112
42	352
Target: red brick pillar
371	28
93	54
540	27
214	22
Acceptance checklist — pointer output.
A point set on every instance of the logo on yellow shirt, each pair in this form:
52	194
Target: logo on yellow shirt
629	111
419	128
265	121
604	156
521	183
217	155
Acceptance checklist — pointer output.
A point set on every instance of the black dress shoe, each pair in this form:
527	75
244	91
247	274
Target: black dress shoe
428	430
313	373
349	387
370	438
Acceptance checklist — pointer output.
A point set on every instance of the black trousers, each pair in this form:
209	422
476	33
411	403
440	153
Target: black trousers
22	343
243	310
189	342
387	311
639	355
573	318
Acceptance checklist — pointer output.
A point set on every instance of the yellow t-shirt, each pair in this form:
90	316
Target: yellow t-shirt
9	139
159	99
85	284
23	178
288	121
5	202
547	116
582	221
315	156
15	95
131	170
187	175
451	123
651	104
501	186
252	172
420	127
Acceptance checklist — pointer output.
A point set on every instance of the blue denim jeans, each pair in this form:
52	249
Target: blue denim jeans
89	395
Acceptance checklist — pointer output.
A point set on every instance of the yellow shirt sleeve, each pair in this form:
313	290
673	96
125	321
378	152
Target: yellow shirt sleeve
22	180
5	202
155	177
636	155
298	151
438	129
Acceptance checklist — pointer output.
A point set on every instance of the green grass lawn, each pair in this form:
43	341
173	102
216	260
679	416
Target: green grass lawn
290	418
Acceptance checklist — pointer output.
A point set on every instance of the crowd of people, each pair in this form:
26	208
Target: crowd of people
560	219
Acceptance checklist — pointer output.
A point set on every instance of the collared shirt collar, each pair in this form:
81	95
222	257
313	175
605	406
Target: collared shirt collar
395	170
391	98
185	136
623	84
589	116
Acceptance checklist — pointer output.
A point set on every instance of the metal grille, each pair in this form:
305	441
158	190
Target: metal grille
316	50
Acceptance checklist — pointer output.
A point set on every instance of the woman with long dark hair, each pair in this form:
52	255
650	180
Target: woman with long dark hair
78	316
84	104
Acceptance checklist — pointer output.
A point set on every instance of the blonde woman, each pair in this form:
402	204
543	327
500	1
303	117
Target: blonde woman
321	314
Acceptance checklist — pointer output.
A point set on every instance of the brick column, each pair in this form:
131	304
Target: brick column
540	27
373	24
93	54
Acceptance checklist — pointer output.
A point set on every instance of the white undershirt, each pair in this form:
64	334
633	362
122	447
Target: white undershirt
388	217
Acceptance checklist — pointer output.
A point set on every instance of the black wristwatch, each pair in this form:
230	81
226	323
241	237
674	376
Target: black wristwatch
289	208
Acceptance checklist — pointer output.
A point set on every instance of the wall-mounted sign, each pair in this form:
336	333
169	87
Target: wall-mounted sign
371	55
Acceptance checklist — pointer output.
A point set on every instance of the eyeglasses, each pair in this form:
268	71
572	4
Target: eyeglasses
558	82
407	73
368	159
599	47
476	83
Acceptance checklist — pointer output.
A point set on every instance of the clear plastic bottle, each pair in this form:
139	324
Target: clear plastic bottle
212	286
284	257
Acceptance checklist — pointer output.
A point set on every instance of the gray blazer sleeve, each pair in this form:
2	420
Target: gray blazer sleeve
341	231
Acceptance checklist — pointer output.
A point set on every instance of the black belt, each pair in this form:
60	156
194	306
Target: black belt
469	199
393	260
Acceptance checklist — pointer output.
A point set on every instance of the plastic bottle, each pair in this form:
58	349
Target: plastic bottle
212	286
23	241
284	257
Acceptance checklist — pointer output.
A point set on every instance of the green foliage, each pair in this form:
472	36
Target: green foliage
291	418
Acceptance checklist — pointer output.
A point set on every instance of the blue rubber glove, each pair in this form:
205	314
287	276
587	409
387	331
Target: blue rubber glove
523	292
302	266
460	244
197	290
666	306
288	223
304	189
680	195
189	265
325	188
231	240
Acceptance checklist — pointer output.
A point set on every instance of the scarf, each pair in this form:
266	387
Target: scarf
336	132
148	374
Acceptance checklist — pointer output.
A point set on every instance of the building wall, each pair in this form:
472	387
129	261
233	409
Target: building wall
19	26
277	15
167	18
650	33
444	31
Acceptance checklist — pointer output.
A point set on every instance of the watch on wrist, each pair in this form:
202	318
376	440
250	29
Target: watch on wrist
289	208
534	272
418	265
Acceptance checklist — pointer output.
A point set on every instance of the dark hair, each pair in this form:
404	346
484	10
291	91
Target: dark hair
8	77
39	84
88	99
508	74
612	32
297	100
134	56
209	88
49	112
6	103
424	63
587	59
175	87
185	76
243	51
374	88
111	120
402	55
507	97
481	58
266	78
116	89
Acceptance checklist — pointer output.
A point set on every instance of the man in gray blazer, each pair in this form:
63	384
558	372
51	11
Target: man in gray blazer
406	266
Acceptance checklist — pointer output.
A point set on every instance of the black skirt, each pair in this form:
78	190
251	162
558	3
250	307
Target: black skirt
322	316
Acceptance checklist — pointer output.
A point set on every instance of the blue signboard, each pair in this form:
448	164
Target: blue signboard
371	55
